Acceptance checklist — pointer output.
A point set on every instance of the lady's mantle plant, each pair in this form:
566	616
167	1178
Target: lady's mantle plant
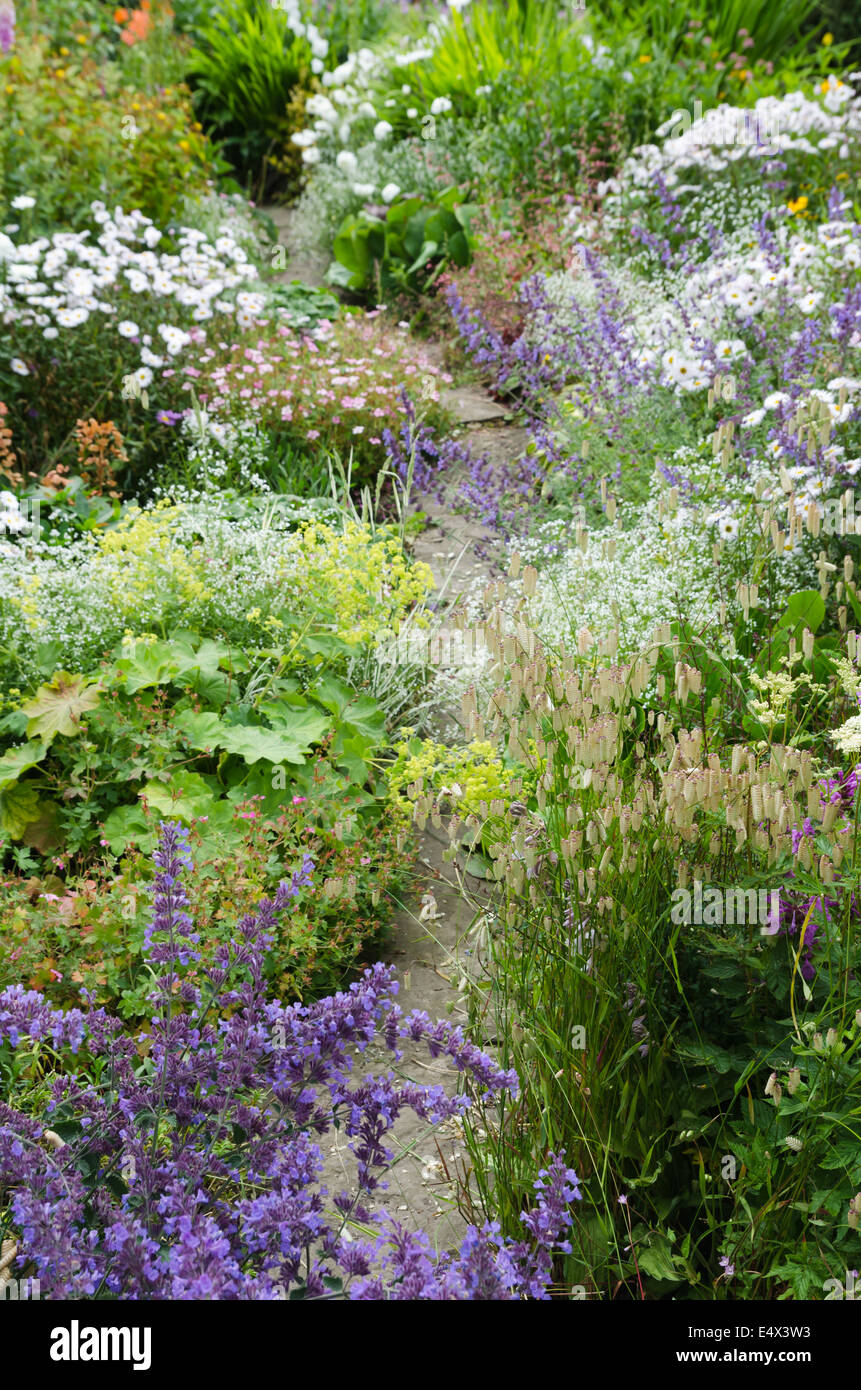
185	1165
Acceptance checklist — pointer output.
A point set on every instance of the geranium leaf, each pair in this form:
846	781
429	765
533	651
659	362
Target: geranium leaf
57	707
19	806
17	760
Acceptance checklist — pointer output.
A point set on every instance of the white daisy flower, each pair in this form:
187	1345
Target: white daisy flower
754	418
727	349
808	302
71	318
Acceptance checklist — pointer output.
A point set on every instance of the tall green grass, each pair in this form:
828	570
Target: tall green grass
646	1045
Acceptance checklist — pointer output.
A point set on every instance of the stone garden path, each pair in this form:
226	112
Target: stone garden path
430	937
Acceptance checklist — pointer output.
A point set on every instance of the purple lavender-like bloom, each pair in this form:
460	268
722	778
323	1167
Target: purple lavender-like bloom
794	911
487	1267
26	1013
7	25
202	1173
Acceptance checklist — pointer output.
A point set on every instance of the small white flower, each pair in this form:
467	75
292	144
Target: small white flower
364	190
143	376
440	105
382	130
729	348
848	737
71	318
127	329
347	163
19	367
809	301
390	192
776	398
22	202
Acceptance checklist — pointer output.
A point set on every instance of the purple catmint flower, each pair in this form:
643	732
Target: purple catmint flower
7	25
794	909
25	1013
202	1173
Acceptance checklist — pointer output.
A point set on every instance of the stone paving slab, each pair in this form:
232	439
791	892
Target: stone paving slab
302	263
472	405
427	959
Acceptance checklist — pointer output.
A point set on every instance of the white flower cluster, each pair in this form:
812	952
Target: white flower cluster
207	572
725	134
12	523
687	326
214	444
351	100
308	31
625	580
58	283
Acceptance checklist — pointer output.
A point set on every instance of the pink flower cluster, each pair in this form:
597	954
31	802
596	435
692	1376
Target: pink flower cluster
344	386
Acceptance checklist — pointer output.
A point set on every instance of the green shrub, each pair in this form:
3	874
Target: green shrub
63	930
246	69
71	133
408	248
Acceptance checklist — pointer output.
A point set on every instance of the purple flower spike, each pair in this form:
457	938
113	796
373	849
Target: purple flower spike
7	25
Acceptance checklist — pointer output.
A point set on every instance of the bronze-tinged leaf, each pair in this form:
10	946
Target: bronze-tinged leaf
43	834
